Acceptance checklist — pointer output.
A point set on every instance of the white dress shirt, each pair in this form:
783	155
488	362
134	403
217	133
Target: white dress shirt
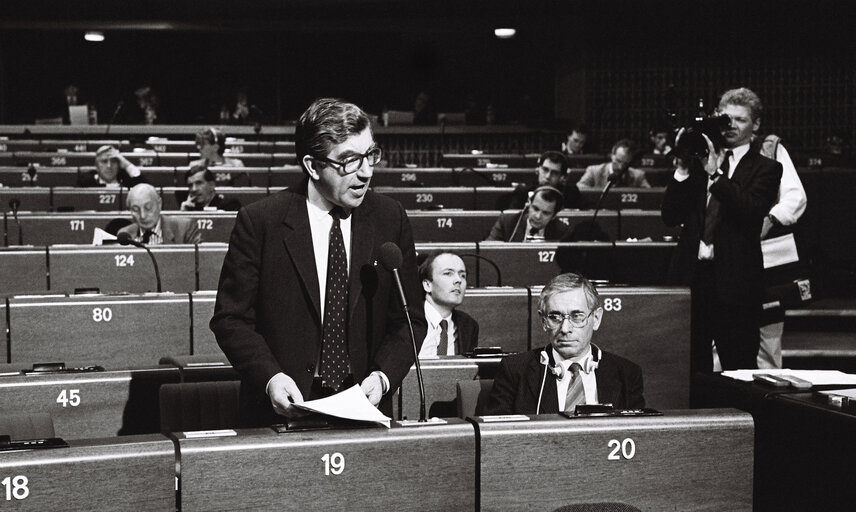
589	379
432	339
791	200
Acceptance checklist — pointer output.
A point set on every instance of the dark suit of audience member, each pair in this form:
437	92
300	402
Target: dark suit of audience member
272	306
112	169
450	331
721	203
202	193
617	169
152	228
569	371
536	222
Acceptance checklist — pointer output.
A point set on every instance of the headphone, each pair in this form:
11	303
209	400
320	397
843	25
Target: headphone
558	370
544	188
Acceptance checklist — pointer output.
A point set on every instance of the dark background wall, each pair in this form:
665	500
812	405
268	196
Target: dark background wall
617	65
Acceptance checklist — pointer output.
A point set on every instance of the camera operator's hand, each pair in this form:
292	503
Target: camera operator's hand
681	166
711	164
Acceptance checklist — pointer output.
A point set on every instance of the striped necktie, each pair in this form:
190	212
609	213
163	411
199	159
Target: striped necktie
576	393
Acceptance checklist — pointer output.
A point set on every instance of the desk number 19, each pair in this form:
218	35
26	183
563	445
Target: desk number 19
333	463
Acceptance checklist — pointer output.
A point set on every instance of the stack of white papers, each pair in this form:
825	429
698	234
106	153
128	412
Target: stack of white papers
816	377
350	404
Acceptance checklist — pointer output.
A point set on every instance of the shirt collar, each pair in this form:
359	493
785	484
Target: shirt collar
739	151
433	316
566	363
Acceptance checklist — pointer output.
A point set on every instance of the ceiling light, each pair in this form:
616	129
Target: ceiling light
504	33
94	36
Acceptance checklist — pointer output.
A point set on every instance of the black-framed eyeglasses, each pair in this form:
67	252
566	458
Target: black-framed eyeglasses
354	163
554	319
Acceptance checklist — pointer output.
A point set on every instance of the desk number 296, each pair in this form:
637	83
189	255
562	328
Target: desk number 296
334	463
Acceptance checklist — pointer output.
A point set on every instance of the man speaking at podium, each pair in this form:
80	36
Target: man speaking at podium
304	309
569	371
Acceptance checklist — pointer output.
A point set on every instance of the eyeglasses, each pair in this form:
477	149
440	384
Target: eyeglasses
554	320
354	163
548	170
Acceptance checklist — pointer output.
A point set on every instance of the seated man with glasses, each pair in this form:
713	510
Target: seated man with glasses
569	371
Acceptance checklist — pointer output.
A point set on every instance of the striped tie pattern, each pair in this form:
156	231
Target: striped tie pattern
576	393
334	344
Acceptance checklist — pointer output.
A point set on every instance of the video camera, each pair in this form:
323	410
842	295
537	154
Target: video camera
691	144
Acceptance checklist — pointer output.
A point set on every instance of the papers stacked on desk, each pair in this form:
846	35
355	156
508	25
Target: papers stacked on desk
816	377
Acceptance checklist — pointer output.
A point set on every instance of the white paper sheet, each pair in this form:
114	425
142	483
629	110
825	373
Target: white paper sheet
99	235
816	377
779	251
350	404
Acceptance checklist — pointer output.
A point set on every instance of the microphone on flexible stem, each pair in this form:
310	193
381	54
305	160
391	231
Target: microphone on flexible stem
520	217
125	238
492	263
119	106
14	204
613	179
390	258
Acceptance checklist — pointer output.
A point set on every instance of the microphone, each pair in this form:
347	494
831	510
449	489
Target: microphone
125	238
391	258
119	106
492	263
520	216
14	204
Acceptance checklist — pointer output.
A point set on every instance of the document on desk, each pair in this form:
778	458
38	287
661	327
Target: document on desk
816	377
350	404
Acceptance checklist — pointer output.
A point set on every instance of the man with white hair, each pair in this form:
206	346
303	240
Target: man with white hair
152	228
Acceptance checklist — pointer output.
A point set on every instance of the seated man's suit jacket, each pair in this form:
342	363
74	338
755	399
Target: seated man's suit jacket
518	382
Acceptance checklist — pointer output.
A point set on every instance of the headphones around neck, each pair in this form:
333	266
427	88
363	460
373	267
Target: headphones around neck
558	370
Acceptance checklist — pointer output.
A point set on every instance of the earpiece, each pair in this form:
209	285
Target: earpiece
546	358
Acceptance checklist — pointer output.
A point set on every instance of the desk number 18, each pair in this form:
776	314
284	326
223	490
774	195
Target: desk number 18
334	463
16	487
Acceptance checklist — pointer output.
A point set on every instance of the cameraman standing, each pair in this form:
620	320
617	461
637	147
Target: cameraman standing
721	199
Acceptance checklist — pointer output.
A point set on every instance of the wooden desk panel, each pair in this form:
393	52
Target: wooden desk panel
503	316
431	198
440	376
412	177
112	331
496	177
122	268
430	468
210	258
156	158
203	340
451	225
649	326
286	176
645	223
121	474
23	270
33	199
652	463
89	404
532	264
68	199
490	159
621	198
65	228
54	158
22	176
214	226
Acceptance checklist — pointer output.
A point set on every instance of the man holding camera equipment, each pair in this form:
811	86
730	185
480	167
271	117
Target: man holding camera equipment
721	192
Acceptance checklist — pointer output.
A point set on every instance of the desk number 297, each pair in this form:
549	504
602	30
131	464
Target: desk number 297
334	463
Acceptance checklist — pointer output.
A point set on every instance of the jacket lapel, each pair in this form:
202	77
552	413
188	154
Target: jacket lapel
608	390
167	234
535	375
297	237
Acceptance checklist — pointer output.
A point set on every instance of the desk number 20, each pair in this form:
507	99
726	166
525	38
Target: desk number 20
627	448
334	463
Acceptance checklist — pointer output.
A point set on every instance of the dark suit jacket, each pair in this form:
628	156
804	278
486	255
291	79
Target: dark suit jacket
744	201
466	331
504	226
267	315
175	230
518	383
87	179
220	202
